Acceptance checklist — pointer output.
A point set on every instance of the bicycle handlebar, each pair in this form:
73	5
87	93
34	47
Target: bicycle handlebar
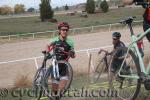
145	4
48	55
128	20
102	50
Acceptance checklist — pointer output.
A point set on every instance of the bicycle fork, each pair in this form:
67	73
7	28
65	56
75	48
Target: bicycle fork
55	69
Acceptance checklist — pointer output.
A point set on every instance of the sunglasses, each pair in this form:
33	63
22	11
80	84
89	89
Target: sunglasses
115	39
65	30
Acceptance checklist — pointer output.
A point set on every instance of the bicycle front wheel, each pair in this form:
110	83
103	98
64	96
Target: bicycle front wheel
49	79
123	74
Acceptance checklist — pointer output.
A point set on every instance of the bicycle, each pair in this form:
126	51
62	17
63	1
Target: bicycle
101	69
43	77
132	72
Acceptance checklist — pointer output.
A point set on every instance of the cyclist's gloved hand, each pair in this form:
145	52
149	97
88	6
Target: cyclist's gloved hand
48	55
71	53
102	50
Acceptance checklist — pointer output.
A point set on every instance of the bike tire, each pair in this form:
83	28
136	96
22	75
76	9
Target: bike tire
134	70
100	70
67	86
37	87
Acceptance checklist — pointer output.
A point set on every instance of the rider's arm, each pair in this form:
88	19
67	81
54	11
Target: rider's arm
106	52
71	51
49	47
110	53
142	44
129	2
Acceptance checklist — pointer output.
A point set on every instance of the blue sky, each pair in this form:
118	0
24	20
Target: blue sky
35	3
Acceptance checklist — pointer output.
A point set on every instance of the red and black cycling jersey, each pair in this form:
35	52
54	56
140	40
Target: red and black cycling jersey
66	45
146	14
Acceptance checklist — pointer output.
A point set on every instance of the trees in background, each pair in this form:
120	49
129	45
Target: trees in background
66	7
5	10
46	11
19	8
104	6
90	6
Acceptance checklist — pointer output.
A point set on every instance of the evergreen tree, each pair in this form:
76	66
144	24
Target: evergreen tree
46	11
104	6
66	7
90	6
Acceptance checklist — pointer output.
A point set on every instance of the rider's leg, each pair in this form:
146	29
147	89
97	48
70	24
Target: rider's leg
127	71
112	73
141	51
146	25
55	83
64	76
63	82
55	87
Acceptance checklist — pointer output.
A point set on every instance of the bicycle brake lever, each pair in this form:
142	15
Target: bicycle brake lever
44	52
128	20
122	22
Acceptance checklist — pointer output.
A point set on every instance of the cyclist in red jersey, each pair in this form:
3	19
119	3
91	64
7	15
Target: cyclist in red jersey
140	46
146	15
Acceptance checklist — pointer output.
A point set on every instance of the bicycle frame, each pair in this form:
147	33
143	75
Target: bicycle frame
55	67
134	46
55	64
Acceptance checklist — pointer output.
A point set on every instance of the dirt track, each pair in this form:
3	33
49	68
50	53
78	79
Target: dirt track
22	50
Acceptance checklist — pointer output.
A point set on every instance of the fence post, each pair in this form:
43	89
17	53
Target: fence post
18	35
9	37
109	27
74	31
92	29
36	64
92	66
53	34
33	35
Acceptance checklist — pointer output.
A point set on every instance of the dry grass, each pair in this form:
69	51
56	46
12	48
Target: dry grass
22	81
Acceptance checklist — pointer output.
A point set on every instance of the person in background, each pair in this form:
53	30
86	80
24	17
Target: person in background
140	46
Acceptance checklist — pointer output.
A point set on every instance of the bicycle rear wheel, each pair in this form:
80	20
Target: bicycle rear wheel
127	86
48	80
38	83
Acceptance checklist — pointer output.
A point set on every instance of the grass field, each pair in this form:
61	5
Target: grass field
78	85
33	24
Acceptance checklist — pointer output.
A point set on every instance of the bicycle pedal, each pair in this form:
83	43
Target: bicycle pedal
119	79
57	98
147	84
144	78
97	71
57	78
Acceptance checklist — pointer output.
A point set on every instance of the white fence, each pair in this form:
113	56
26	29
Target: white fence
74	31
79	51
35	58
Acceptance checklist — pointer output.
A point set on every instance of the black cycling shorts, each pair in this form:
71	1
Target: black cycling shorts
63	70
145	27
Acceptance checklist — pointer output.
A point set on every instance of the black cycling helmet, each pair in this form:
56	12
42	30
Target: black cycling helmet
116	35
